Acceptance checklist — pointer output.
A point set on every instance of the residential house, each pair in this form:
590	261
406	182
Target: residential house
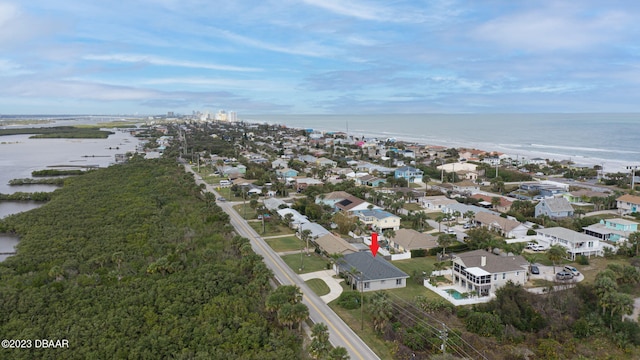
309	159
466	186
554	208
378	220
575	242
628	204
483	272
462	209
296	217
333	197
286	173
409	173
614	230
503	204
544	189
458	166
409	239
583	196
303	183
331	244
364	272
436	203
273	204
315	230
279	164
322	162
537	161
506	227
370	180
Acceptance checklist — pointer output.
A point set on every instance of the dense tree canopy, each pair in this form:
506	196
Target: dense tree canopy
133	262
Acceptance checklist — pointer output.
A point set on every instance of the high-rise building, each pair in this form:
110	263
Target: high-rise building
233	117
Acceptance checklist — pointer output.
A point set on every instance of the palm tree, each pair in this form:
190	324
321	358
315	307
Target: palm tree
634	240
439	219
444	240
306	235
299	313
338	353
320	345
380	310
556	253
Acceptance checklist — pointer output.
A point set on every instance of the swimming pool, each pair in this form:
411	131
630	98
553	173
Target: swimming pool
454	293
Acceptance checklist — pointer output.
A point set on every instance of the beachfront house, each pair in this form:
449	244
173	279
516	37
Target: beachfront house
436	203
628	204
554	208
364	272
576	243
483	272
409	173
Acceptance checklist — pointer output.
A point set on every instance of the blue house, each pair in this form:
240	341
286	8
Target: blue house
411	174
615	230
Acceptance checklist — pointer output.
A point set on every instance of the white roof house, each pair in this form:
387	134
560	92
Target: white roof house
575	242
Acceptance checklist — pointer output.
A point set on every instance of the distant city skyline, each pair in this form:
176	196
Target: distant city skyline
318	56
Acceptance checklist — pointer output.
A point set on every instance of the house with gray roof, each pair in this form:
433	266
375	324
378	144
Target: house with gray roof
554	208
409	239
364	272
483	272
273	204
331	244
316	230
575	242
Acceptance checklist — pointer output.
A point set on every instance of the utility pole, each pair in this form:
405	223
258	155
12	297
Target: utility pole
633	174
361	301
444	334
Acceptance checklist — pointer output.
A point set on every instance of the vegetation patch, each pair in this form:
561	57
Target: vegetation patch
63	132
288	243
133	261
318	286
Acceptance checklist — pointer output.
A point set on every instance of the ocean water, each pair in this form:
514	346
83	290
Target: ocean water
609	140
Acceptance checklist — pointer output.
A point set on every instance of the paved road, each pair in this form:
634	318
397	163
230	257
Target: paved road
339	333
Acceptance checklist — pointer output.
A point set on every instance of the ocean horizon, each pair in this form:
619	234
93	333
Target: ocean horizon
611	140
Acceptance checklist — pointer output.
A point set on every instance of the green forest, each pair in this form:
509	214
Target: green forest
132	261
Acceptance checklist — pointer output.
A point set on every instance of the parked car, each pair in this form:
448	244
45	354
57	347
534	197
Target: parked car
265	216
530	245
572	270
564	275
221	199
535	270
537	247
450	231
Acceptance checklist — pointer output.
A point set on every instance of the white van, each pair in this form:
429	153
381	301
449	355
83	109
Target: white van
225	182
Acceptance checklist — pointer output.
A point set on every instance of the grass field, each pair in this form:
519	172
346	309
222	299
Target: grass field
352	318
311	263
246	211
318	286
273	228
289	243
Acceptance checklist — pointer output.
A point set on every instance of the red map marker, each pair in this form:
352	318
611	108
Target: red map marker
374	244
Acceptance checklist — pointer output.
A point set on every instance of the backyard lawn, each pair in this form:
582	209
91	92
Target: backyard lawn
289	243
311	263
246	211
318	286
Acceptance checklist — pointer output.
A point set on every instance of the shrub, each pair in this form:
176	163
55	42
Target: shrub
582	260
349	300
484	324
531	232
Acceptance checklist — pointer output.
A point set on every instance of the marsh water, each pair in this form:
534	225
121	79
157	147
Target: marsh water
20	155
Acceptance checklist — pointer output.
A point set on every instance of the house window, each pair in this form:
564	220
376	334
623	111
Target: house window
495	276
504	276
381	281
367	285
398	281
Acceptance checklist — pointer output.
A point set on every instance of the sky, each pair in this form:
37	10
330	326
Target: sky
319	56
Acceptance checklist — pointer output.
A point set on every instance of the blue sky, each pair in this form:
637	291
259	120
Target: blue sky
318	56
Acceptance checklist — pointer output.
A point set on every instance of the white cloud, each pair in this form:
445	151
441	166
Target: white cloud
306	49
552	29
156	60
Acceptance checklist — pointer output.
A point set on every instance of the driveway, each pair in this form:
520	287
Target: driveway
546	273
335	289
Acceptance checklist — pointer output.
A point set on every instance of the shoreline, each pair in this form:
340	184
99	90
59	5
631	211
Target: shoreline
609	165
